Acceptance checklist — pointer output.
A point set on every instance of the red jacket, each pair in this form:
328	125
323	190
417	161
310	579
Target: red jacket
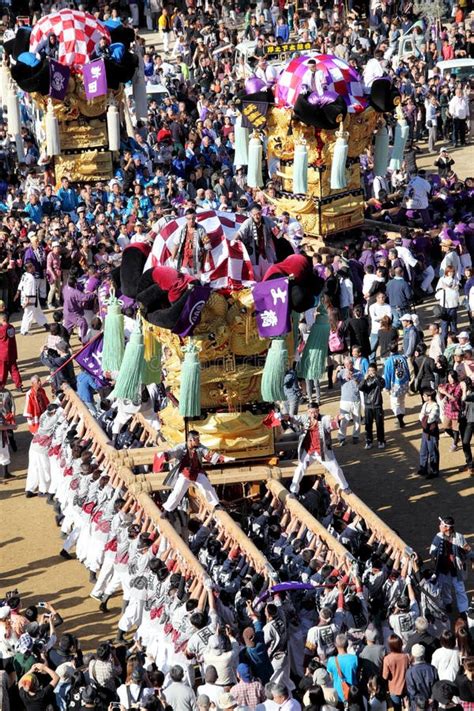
8	350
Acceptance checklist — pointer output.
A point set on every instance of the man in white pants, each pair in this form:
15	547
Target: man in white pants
190	457
28	290
315	446
450	552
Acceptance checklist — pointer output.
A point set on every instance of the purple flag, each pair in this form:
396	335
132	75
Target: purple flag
190	316
272	304
58	79
95	80
91	360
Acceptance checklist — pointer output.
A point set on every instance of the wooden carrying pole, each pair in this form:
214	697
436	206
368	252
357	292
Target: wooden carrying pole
346	560
227	524
136	485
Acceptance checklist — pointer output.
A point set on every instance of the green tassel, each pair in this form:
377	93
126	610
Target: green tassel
114	342
129	380
313	359
190	391
152	359
276	364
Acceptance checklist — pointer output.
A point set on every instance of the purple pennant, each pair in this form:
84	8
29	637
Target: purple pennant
58	79
190	316
95	80
272	304
91	360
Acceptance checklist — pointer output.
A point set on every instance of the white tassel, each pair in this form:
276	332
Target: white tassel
241	155
300	169
254	171
338	167
113	126
53	146
402	130
13	109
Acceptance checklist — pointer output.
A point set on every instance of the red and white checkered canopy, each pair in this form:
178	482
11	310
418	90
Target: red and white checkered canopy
230	266
78	34
333	75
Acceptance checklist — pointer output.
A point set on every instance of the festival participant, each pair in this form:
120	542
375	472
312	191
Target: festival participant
190	458
397	378
8	353
315	445
258	234
28	290
38	474
36	402
191	246
450	552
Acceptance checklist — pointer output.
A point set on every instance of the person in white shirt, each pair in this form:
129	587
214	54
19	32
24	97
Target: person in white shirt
417	196
373	69
377	311
458	108
347	293
266	72
283	699
435	349
28	292
447	659
314	79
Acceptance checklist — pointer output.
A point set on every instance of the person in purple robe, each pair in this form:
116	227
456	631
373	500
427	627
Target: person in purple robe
75	303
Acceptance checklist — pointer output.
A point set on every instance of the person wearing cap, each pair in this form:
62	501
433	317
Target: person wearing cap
254	653
28	290
450	552
464	341
411	337
444	163
420	677
34	696
227	702
248	691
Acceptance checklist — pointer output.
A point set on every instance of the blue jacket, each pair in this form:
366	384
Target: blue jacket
257	657
396	374
420	678
399	293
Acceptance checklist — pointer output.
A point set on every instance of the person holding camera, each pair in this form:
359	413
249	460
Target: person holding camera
372	388
34	696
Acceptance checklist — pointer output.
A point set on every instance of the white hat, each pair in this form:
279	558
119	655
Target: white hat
4	612
406	317
418	651
55	244
463	334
